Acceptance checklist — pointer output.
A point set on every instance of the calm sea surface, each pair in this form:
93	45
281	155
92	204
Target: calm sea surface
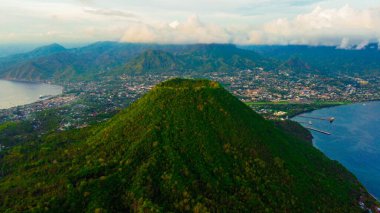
20	93
355	140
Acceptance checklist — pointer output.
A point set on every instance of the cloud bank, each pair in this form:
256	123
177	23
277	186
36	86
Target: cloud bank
314	22
343	27
190	31
109	12
324	26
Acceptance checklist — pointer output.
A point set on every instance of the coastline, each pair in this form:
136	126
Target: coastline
325	107
330	106
30	82
11	104
322	107
25	105
23	81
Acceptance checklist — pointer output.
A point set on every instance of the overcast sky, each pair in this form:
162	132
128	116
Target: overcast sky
331	22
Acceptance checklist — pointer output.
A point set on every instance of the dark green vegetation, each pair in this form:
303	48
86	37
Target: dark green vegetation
14	133
295	129
185	146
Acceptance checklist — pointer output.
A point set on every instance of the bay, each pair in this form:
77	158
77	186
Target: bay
354	139
14	93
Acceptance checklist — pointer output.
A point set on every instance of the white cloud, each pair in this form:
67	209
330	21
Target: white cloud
345	44
344	27
324	26
164	21
174	24
190	31
362	44
109	12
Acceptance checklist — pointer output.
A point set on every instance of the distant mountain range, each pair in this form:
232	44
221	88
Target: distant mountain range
186	146
54	62
326	59
197	58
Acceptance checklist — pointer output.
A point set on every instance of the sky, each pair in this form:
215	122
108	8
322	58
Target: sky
314	22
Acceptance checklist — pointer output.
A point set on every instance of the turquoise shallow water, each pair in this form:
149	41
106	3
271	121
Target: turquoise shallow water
355	140
20	93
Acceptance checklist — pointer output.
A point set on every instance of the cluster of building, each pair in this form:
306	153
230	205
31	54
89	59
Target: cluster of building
25	111
258	85
83	103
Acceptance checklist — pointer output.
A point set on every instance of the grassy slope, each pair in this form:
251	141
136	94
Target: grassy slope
185	146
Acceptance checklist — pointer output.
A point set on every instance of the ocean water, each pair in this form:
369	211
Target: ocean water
355	139
20	93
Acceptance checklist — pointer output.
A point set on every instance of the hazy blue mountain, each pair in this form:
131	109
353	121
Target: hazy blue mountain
197	58
327	59
9	61
54	62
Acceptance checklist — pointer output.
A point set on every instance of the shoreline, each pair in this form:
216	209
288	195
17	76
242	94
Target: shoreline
25	81
62	92
34	102
33	82
322	107
330	106
309	111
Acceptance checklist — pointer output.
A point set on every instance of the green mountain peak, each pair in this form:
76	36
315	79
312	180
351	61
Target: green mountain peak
185	146
178	83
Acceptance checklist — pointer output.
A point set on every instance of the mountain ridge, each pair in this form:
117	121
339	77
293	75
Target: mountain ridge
109	58
327	60
196	58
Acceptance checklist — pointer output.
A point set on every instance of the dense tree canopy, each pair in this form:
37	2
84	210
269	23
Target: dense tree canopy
188	145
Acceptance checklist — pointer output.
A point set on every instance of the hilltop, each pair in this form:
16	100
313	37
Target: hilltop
187	145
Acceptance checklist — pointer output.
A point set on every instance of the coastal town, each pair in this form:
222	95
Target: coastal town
274	94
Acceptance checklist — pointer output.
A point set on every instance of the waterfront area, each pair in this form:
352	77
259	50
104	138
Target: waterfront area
273	94
354	139
13	93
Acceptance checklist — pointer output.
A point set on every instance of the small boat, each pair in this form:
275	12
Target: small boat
43	97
